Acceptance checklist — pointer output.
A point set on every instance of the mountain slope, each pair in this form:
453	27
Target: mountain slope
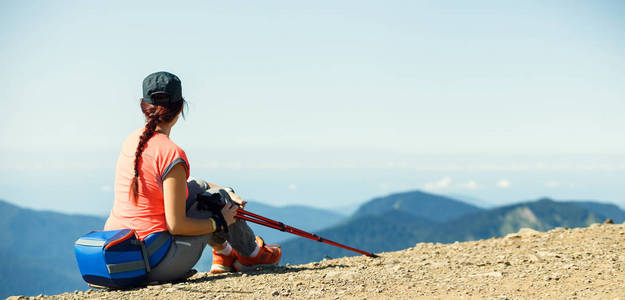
37	250
607	210
423	205
541	215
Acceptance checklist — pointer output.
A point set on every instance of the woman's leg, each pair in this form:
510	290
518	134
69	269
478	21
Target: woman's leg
249	251
182	255
239	235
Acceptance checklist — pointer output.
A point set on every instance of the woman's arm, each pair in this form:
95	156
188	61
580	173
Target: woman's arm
174	193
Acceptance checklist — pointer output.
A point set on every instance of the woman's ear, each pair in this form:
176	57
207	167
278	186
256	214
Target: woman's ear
175	120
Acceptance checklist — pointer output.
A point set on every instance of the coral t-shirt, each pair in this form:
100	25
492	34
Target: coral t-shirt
159	156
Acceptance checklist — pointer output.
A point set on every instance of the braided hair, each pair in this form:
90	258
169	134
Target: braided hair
154	115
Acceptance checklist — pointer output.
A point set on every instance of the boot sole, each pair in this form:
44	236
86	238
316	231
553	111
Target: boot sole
243	268
218	269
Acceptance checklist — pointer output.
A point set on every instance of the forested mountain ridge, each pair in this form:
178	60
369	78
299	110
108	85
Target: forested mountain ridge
402	228
38	250
424	205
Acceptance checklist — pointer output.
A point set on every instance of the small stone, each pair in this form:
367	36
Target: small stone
528	231
523	232
298	283
275	293
544	254
490	274
608	221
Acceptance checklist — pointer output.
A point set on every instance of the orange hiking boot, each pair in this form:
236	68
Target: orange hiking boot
222	263
267	256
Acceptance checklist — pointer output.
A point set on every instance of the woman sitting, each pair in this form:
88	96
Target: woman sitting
154	193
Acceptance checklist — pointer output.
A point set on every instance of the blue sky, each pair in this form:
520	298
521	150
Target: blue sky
323	103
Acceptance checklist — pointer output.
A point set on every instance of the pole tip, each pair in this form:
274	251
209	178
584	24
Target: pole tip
373	255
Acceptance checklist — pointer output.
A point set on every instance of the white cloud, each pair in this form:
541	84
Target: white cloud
471	185
552	184
503	184
292	187
440	184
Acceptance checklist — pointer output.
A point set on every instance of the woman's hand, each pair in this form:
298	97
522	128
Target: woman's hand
236	199
229	211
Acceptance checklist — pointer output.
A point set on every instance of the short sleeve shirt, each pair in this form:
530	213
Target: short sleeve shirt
159	156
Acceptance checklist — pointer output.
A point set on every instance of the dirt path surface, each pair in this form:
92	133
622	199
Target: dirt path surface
583	263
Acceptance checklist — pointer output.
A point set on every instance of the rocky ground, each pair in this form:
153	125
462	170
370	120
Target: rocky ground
582	263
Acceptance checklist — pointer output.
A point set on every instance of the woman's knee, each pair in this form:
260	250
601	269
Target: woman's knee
198	183
195	186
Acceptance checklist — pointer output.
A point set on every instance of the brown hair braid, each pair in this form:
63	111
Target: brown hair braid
154	115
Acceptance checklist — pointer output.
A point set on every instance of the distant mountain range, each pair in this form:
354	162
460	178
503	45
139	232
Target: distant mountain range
37	250
402	220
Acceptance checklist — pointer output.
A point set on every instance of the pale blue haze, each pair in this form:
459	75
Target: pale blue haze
323	103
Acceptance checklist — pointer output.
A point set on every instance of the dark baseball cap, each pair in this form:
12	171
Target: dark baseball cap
163	83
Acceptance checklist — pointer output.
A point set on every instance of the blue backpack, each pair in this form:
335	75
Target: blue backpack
117	258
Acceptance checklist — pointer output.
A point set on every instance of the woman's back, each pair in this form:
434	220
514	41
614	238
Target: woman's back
147	216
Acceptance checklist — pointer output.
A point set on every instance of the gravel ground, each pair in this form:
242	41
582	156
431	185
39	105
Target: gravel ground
582	263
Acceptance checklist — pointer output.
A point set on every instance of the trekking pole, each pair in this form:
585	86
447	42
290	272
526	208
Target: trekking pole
260	220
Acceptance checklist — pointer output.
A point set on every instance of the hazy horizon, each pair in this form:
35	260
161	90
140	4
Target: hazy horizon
348	186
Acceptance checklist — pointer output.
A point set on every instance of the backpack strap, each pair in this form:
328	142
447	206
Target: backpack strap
146	256
162	238
89	242
126	267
